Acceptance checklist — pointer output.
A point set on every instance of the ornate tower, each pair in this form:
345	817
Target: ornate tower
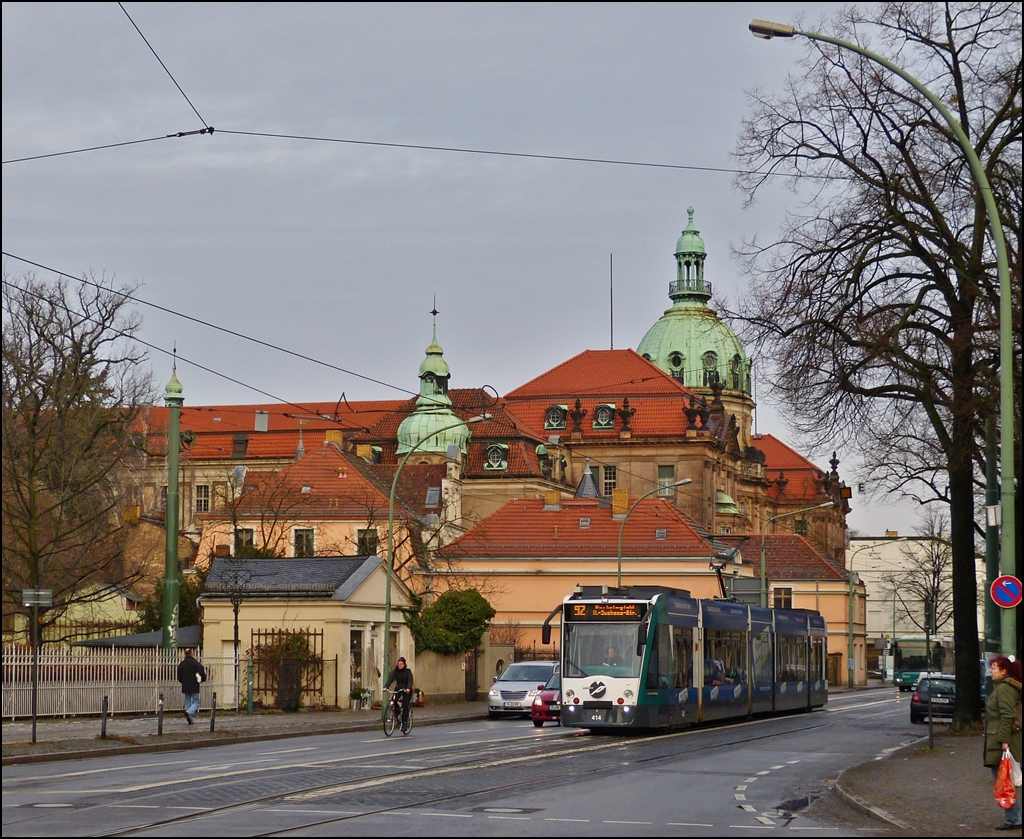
692	344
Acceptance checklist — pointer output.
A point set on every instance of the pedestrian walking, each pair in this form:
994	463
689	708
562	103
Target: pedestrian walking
190	674
1002	732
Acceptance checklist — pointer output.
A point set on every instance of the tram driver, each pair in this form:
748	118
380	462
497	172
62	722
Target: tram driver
612	658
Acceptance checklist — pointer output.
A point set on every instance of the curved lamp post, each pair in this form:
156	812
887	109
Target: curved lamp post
1007	543
849	569
764	565
391	540
622	526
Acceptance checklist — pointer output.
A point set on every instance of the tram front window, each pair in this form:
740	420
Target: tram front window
607	649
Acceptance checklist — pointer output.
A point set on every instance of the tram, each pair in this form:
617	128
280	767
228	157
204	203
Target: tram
650	657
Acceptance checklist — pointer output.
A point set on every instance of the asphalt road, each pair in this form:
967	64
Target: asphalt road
501	778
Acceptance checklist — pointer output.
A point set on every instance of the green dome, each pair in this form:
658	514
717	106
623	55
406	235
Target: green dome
690	342
174	393
433	427
689	241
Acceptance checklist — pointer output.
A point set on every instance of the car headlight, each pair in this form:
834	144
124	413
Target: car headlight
493	693
532	693
538	702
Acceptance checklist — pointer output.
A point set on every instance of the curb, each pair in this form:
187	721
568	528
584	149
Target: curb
859	804
220	740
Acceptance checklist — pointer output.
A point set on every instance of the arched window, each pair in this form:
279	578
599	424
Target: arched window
710	360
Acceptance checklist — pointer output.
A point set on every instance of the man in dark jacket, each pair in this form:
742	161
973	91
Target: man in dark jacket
402	677
190	674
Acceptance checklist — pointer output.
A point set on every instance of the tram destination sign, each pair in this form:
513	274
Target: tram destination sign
606	611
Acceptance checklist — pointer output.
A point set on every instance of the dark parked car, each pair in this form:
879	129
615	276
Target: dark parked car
941	690
547	704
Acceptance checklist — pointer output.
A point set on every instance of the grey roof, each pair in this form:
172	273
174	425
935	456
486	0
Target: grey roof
188	636
320	578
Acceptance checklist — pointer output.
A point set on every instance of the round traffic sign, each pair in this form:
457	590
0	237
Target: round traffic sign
1006	592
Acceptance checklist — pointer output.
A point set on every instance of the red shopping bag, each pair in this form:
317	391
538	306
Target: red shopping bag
1005	793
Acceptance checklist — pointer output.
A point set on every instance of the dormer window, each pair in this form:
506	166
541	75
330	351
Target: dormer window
433	496
584	523
604	416
554	417
661	535
710	361
496	458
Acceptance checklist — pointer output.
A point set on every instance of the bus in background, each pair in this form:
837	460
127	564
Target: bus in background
910	659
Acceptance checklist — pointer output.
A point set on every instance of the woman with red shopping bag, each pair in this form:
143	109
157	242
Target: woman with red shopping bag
1002	734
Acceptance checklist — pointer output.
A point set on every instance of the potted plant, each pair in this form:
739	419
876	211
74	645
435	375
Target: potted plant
356	695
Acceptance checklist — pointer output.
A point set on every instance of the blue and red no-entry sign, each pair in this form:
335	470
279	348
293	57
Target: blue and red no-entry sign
1006	592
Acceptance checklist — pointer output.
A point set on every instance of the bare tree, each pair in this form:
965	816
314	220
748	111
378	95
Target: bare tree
877	306
925	578
73	384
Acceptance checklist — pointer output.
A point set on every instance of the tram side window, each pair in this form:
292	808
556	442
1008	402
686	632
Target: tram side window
817	659
682	646
762	663
727	649
659	668
792	657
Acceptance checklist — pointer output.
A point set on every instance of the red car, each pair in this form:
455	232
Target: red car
547	704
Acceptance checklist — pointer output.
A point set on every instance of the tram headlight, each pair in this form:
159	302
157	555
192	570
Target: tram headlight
569	694
628	694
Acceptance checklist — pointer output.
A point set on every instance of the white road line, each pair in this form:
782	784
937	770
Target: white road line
750	827
780	766
512	818
135	806
449	815
764	772
741	787
314	812
764	820
748	808
689	824
579	821
749	780
739	796
613	821
289	751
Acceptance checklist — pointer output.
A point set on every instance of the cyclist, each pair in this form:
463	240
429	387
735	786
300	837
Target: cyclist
402	678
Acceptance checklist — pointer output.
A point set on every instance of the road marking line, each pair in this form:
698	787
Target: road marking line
780	766
749	780
449	815
748	808
750	827
739	796
612	821
580	821
764	820
512	818
689	824
741	787
765	772
136	806
289	751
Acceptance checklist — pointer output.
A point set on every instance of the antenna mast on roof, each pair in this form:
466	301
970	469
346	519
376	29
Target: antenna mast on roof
611	299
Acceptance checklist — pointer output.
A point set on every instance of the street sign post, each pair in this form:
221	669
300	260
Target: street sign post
36	598
1006	592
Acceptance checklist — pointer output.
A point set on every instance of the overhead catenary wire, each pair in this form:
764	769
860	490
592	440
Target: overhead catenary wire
206	125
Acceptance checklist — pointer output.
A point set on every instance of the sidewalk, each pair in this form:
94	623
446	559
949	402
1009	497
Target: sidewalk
913	791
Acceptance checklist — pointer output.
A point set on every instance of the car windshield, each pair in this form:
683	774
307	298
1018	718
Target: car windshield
554	683
538	673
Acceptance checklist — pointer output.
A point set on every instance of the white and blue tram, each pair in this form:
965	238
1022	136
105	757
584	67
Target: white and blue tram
654	657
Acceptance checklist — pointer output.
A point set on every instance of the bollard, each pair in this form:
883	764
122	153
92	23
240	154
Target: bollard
213	712
160	716
103	720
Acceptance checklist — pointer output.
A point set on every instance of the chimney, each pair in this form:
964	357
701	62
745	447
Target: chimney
552	499
620	502
891	534
221	550
262	421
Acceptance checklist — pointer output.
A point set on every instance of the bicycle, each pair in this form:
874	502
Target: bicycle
393	715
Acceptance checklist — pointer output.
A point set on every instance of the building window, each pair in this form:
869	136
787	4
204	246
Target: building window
496	458
367	542
239	446
554	417
203	498
244	537
163	497
782	598
666	477
584	523
610	481
661	534
604	416
303	541
433	496
710	361
800	527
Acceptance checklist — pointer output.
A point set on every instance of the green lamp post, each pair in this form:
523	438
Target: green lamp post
391	536
683	482
768	29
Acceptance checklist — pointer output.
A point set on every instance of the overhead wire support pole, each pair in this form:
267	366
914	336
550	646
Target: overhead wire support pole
1008	538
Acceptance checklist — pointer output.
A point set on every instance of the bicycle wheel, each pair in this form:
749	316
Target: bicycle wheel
408	725
391	721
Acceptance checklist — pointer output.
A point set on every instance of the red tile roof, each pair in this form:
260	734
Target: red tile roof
787	557
523	527
803	478
599	373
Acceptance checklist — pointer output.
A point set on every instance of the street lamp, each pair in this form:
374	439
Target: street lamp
391	538
1007	544
622	526
849	569
764	566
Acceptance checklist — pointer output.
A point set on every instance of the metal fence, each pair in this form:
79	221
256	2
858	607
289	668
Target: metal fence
73	682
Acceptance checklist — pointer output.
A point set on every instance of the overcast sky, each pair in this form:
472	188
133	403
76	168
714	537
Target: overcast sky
336	251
